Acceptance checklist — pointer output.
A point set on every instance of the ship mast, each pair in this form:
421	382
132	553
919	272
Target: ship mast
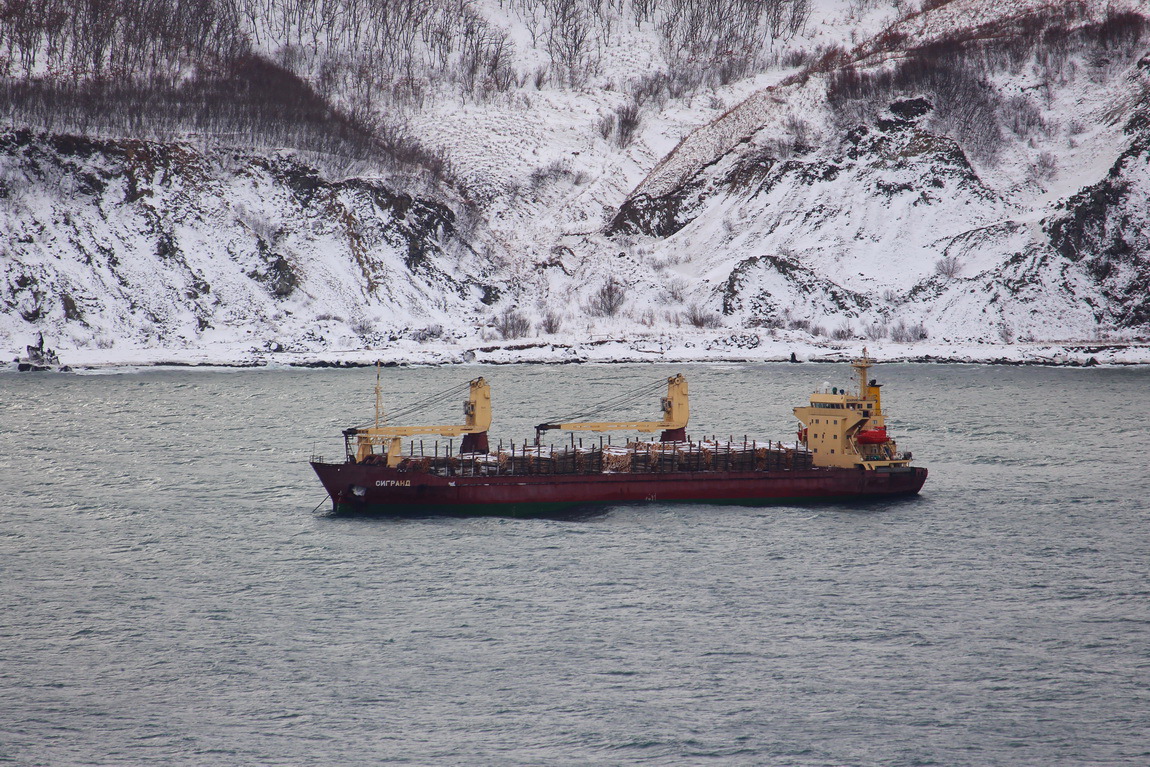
862	366
378	396
868	389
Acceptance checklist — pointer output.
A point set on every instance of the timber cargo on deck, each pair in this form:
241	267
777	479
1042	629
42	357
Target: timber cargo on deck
842	452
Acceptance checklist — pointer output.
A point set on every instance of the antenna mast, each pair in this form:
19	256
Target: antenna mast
378	396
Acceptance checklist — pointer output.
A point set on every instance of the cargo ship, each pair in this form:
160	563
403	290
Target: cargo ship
843	451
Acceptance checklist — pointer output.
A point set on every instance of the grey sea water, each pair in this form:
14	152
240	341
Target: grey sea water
168	596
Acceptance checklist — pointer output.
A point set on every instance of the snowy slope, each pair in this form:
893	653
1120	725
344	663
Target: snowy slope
129	244
819	201
795	211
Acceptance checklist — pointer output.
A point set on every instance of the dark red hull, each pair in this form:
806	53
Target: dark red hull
378	489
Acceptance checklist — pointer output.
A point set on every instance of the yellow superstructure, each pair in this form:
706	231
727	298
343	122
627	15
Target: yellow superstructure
848	429
477	420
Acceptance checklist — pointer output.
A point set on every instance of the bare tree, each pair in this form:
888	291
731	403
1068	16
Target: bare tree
843	332
701	318
608	300
512	324
626	123
903	334
551	323
569	40
948	267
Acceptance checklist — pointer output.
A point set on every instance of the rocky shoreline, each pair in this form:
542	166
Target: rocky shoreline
729	350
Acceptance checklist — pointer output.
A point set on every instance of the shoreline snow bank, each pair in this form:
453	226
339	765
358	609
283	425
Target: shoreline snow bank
746	348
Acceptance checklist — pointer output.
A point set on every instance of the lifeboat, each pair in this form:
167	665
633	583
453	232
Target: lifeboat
873	436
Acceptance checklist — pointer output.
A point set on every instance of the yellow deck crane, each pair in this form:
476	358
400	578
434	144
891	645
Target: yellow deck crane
676	412
476	415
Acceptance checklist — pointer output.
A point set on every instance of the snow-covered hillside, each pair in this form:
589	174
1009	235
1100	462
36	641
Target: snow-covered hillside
121	244
965	179
861	197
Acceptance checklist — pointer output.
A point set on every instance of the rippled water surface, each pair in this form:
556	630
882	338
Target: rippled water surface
168	596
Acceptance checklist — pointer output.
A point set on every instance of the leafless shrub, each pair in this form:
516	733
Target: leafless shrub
876	331
795	57
1121	28
1023	117
622	123
843	333
551	323
903	334
701	318
1006	333
731	68
829	58
627	119
608	300
246	101
606	126
677	289
799	324
798	131
362	327
512	324
682	79
649	88
817	330
965	104
948	267
361	53
557	170
957	73
891	296
429	333
1043	168
900	333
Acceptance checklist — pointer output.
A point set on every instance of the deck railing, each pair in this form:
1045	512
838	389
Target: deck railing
605	458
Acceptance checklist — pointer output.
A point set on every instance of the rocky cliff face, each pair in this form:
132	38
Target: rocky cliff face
1105	230
122	242
922	191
